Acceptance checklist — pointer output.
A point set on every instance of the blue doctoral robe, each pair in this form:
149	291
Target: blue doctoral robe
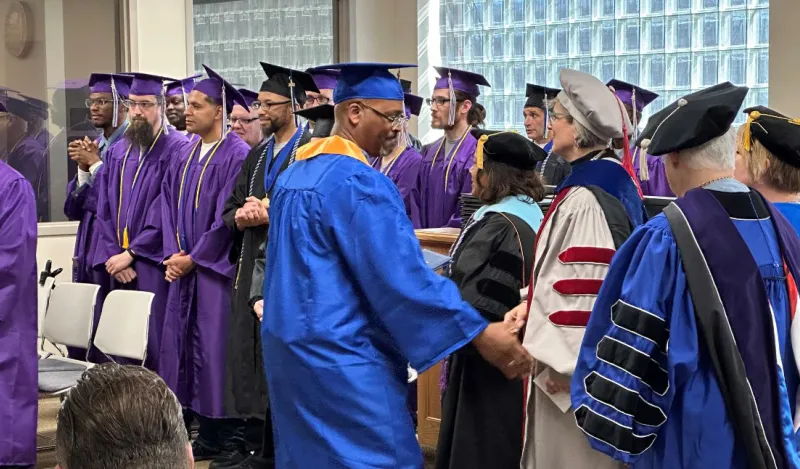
660	404
790	210
348	303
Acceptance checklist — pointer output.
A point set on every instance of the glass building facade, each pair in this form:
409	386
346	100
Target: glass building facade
672	47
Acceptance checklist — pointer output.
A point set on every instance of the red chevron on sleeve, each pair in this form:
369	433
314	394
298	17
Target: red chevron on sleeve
586	255
578	286
570	318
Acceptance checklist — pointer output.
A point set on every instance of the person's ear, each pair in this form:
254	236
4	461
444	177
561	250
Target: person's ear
673	160
354	113
466	106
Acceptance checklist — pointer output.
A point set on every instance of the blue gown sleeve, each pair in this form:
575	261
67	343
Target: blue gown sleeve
640	346
422	311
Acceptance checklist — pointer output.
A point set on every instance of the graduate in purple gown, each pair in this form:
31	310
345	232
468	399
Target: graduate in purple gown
326	82
106	93
649	169
18	360
444	175
177	95
24	153
401	163
197	245
130	244
244	120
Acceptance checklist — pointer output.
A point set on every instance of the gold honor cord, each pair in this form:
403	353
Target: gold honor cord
452	155
199	182
122	237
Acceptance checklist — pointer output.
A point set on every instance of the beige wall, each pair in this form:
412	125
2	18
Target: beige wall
784	60
158	36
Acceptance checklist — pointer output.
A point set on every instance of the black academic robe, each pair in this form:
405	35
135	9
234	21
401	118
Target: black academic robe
245	386
482	410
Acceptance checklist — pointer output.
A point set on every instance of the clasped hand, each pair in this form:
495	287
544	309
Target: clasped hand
252	213
84	152
178	265
499	345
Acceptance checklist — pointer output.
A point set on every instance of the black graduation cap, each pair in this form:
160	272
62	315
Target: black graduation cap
778	133
323	118
406	84
537	94
279	78
693	120
507	147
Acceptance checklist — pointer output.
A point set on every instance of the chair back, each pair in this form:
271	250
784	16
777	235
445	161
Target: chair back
124	324
69	313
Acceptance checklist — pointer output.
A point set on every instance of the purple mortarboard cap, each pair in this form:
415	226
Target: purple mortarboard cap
249	96
19	107
184	86
367	81
102	83
632	95
324	79
145	84
466	82
216	87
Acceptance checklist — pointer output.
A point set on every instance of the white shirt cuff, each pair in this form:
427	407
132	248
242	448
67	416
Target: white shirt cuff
93	169
83	177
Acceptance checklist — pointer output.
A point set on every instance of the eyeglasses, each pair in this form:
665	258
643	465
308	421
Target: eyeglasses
267	105
554	116
98	102
143	105
242	120
439	101
396	121
319	100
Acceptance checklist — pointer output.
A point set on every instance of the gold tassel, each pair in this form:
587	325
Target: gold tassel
644	171
747	134
125	243
479	151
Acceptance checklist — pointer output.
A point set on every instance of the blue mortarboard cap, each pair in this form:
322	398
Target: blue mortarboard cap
632	95
367	81
466	82
213	87
184	86
101	83
249	96
145	84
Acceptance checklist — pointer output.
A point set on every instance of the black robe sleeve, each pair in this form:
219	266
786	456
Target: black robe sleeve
237	199
257	284
490	266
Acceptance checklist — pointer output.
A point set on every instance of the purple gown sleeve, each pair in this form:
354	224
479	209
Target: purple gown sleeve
411	197
106	243
76	197
150	242
17	253
213	248
167	204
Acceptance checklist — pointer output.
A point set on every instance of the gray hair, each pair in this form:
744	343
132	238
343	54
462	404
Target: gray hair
716	154
121	416
584	138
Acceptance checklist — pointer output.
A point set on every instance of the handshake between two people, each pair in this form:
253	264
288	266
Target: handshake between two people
499	344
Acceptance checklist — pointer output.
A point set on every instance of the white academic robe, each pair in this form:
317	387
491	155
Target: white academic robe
572	257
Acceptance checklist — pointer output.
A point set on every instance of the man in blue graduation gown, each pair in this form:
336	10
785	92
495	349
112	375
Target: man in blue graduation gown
348	299
697	369
18	360
197	244
130	245
106	92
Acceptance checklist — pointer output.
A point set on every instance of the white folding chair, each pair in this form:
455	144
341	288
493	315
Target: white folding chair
67	322
124	324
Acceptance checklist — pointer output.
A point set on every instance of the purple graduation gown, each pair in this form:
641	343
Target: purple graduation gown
28	157
404	173
657	185
18	303
440	190
140	212
195	334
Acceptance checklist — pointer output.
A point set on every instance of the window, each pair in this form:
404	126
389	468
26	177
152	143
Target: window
673	47
584	9
738	28
607	38
710	34
59	113
281	33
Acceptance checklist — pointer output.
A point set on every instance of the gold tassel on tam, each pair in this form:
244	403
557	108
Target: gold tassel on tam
747	135
644	171
479	151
